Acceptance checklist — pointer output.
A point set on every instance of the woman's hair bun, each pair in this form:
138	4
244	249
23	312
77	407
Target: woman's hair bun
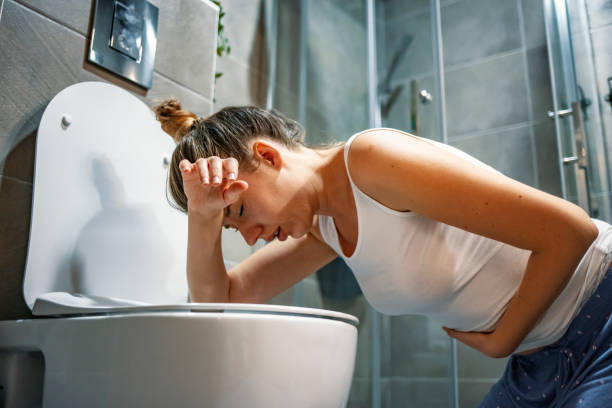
174	120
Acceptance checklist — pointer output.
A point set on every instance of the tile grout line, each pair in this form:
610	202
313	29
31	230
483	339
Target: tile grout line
11	178
534	161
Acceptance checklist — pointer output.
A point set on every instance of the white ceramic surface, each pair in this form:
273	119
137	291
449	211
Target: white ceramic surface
101	223
190	359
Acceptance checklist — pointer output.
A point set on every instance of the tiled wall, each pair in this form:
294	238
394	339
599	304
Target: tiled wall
42	51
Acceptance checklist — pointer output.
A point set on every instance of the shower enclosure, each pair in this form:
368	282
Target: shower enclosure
510	82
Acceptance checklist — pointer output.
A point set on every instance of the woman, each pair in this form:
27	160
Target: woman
505	268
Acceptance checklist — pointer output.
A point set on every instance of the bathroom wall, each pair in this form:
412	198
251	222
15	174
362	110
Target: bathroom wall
42	51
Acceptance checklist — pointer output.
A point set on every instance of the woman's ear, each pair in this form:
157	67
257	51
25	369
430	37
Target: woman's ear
267	153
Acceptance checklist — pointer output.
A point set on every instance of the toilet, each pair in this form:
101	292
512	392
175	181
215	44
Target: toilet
105	279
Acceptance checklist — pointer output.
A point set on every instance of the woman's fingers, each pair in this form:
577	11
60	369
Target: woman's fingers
202	170
230	168
215	169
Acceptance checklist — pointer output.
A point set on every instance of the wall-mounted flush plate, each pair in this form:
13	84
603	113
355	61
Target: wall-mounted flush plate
124	39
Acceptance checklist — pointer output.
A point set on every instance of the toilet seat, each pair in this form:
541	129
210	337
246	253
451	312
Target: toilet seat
64	304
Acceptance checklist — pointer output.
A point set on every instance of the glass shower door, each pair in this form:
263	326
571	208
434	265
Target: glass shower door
581	148
415	363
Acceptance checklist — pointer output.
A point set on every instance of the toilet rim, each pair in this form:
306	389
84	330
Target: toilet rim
54	305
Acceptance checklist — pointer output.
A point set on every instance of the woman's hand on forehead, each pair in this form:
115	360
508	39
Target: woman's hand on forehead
211	184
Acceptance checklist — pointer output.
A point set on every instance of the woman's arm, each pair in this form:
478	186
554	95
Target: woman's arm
408	173
210	185
266	273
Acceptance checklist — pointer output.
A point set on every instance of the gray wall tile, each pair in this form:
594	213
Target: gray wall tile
418	393
19	164
288	46
418	58
539	83
70	13
186	43
244	27
361	393
333	78
479	28
15	207
547	157
286	101
509	151
486	95
240	84
163	88
533	23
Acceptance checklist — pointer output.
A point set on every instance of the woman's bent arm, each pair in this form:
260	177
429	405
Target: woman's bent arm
276	267
206	275
408	173
261	276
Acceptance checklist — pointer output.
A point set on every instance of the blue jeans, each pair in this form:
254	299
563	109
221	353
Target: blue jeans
576	371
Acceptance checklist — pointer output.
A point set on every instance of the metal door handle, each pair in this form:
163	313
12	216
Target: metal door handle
560	113
608	97
570	160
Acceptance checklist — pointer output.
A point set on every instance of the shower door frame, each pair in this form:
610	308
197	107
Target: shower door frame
570	131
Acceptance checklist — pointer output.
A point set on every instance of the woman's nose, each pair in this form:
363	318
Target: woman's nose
251	233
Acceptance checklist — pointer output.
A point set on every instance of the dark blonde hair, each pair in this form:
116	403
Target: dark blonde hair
223	134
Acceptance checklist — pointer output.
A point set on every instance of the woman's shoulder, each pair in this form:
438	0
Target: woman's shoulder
370	158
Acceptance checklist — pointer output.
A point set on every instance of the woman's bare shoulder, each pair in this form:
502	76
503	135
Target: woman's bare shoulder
367	162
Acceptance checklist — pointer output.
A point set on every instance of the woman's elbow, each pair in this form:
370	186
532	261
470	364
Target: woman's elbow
584	233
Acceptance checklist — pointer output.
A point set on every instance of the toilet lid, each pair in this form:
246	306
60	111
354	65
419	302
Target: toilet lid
70	304
101	223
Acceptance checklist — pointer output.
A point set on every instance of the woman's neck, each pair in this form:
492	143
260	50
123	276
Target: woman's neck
331	183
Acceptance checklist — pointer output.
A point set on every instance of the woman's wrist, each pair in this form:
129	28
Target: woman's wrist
203	213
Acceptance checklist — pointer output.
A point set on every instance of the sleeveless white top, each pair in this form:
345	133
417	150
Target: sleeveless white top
406	263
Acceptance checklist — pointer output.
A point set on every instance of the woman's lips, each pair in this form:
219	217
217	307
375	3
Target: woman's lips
281	237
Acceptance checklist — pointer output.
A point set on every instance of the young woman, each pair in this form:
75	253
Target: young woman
427	229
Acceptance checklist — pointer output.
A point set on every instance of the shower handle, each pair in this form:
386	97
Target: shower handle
561	113
608	97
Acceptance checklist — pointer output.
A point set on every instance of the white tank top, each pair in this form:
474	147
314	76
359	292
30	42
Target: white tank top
406	263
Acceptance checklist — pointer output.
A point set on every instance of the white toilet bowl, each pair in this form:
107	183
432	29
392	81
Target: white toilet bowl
105	277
